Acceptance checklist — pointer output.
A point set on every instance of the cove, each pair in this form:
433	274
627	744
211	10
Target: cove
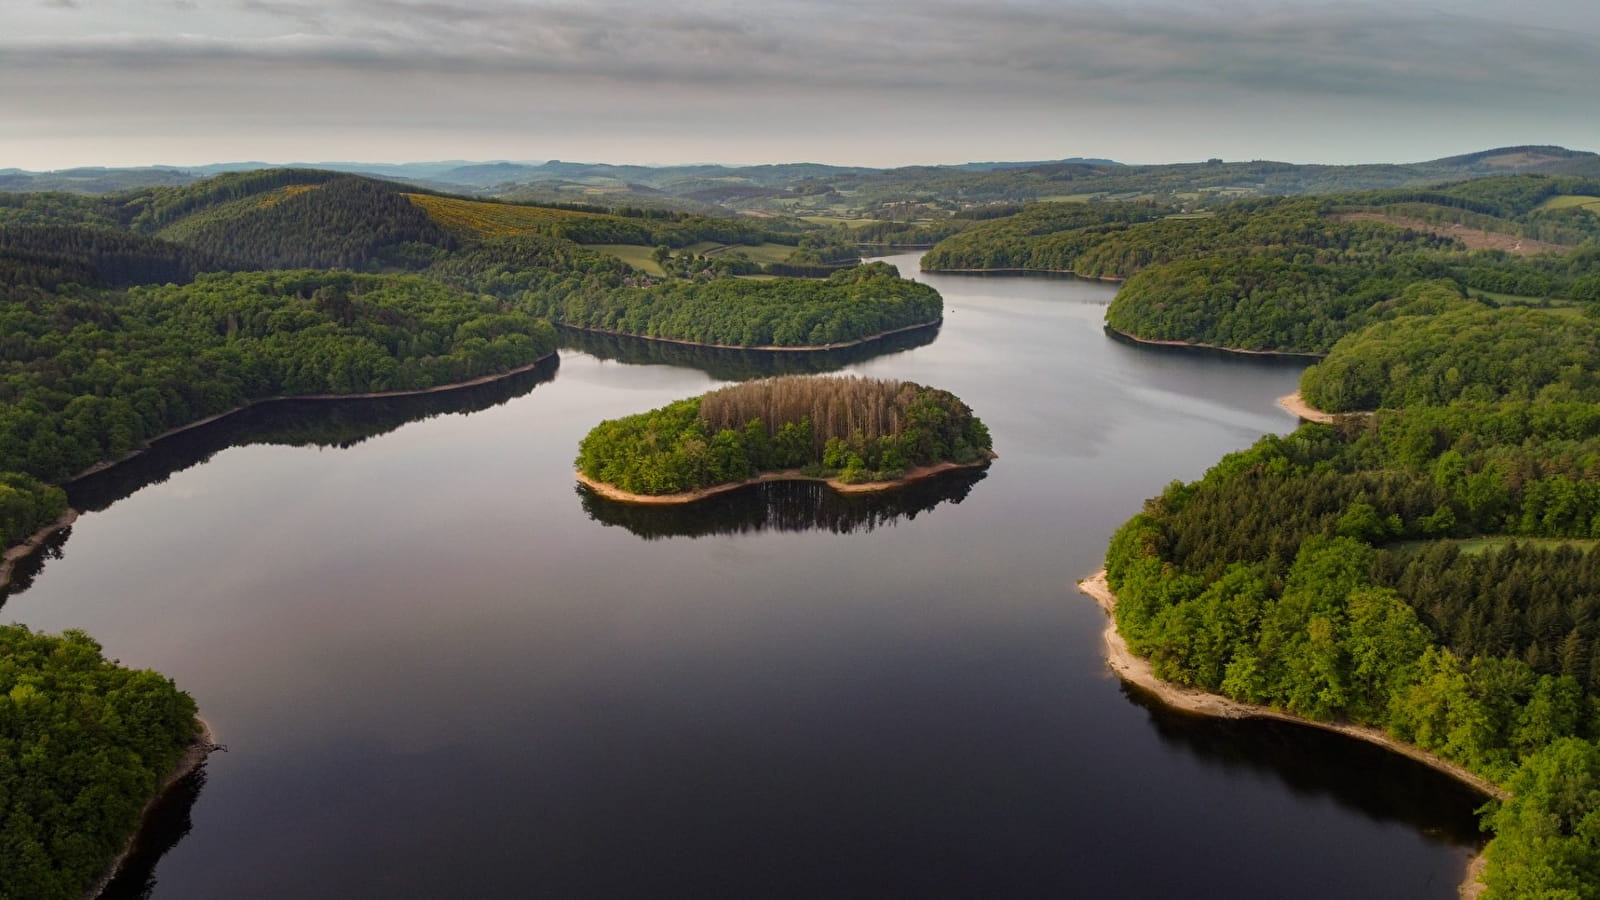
444	670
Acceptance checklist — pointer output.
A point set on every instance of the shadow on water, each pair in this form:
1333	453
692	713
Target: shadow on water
1309	762
168	823
782	506
740	365
295	423
1263	360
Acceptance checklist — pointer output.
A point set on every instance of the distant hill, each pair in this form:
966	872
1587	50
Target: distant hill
861	194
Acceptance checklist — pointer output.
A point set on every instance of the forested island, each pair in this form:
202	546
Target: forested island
849	431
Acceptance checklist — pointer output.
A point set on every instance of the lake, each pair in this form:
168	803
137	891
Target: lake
443	670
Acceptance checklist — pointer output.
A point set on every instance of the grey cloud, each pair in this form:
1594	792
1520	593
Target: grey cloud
969	47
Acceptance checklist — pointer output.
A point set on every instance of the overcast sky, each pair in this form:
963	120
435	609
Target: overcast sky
869	82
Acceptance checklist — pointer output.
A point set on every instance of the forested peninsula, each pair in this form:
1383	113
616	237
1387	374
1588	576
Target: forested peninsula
1297	274
84	744
1428	570
849	431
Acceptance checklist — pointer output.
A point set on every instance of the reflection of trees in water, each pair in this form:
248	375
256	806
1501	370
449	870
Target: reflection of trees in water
782	506
739	365
167	824
295	423
1379	784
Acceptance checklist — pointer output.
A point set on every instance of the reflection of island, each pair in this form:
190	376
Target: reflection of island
166	824
782	506
1368	779
739	365
296	423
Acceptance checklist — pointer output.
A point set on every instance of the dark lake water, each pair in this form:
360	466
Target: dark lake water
444	671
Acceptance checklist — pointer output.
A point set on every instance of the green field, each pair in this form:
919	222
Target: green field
635	255
1567	201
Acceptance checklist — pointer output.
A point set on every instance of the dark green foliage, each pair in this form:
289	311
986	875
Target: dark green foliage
46	256
83	745
345	222
785	312
88	377
1464	354
857	429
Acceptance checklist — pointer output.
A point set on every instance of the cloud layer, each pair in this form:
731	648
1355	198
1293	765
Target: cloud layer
724	75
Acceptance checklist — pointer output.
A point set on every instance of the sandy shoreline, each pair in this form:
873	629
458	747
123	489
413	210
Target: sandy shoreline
199	748
1025	271
1297	404
611	492
765	348
1136	671
1286	354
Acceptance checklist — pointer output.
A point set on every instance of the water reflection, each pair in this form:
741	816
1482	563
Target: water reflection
167	823
1383	786
782	506
740	365
294	423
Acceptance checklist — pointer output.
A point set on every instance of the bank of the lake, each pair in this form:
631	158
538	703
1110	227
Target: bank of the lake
1297	404
1195	345
288	398
912	475
29	546
17	553
200	748
1110	279
1136	671
764	348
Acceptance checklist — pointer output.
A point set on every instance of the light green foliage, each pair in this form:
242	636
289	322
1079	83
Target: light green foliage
1463	354
83	744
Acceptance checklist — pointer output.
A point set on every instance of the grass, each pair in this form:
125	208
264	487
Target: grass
1477	546
494	219
633	254
761	253
1567	201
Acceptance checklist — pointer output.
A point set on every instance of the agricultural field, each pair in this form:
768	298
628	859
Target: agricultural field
1568	201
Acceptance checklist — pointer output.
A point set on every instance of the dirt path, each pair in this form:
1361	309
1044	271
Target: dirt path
1471	238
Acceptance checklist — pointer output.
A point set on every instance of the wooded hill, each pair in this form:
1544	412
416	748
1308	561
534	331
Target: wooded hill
850	428
1297	274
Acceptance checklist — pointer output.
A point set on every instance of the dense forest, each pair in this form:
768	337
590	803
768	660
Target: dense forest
1297	274
1463	354
84	743
1428	570
850	305
850	428
86	377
